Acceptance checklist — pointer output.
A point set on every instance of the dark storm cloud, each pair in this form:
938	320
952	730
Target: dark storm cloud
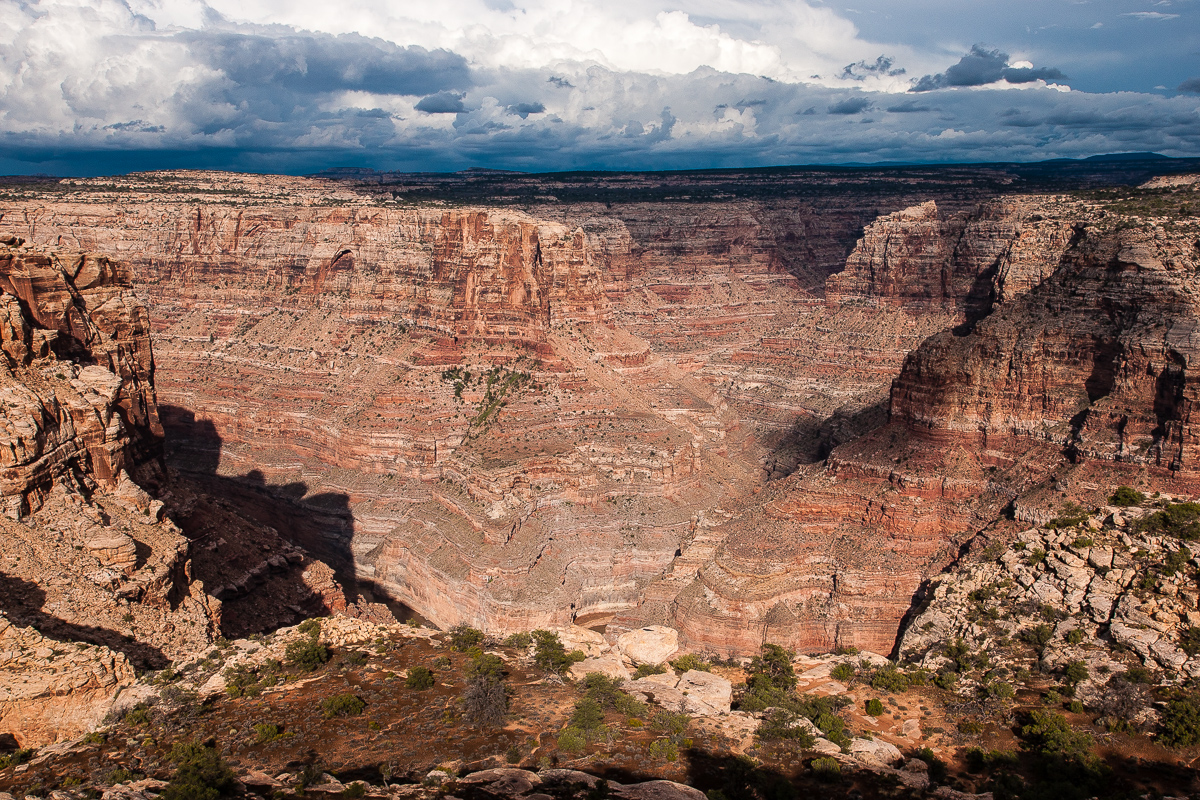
319	63
851	105
1191	85
441	103
523	110
980	67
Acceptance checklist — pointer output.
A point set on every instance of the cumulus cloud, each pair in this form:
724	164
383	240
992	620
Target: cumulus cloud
317	63
980	67
861	70
1190	85
104	85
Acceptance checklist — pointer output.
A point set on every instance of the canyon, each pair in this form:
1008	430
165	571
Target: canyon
761	417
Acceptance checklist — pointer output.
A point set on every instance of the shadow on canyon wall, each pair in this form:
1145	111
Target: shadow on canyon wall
23	600
282	516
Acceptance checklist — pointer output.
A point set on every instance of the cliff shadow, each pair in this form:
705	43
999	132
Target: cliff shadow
22	602
245	533
812	439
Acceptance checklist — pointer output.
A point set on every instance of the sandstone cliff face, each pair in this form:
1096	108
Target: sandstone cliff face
512	420
1083	381
925	258
87	557
87	405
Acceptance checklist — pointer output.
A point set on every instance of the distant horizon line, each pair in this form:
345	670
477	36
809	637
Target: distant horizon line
351	171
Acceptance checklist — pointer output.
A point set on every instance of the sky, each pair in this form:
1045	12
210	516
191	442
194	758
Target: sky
93	87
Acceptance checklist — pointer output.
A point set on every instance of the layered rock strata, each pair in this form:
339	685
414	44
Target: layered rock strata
1084	380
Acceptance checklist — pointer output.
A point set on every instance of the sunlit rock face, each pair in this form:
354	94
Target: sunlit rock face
703	414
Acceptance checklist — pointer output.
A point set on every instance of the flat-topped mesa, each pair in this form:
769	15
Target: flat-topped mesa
924	259
77	377
482	274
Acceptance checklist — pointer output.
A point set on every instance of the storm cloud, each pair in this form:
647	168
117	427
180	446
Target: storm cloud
97	86
981	67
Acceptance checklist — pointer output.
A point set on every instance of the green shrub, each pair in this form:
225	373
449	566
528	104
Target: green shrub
419	678
845	650
588	715
1189	641
1001	690
267	732
673	725
200	774
354	790
1075	673
485	665
781	724
310	627
889	679
464	637
664	750
1126	496
826	768
1138	675
946	680
1075	636
571	740
970	727
646	670
16	757
519	641
842	672
775	664
550	655
1075	707
1181	720
354	658
1181	520
1038	637
874	707
690	661
1049	734
343	705
307	654
138	715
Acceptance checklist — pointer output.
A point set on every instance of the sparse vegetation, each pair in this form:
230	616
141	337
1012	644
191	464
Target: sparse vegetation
464	637
343	705
1126	496
419	678
200	774
550	655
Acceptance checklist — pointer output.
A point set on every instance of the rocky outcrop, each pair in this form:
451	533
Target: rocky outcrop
78	391
924	258
53	690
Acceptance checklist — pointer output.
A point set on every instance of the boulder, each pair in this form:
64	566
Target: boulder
609	664
653	644
658	790
874	752
707	694
588	641
505	780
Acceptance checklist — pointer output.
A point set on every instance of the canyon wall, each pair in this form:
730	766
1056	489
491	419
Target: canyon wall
1078	384
652	412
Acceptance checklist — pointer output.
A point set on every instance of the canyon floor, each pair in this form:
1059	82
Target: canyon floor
868	424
